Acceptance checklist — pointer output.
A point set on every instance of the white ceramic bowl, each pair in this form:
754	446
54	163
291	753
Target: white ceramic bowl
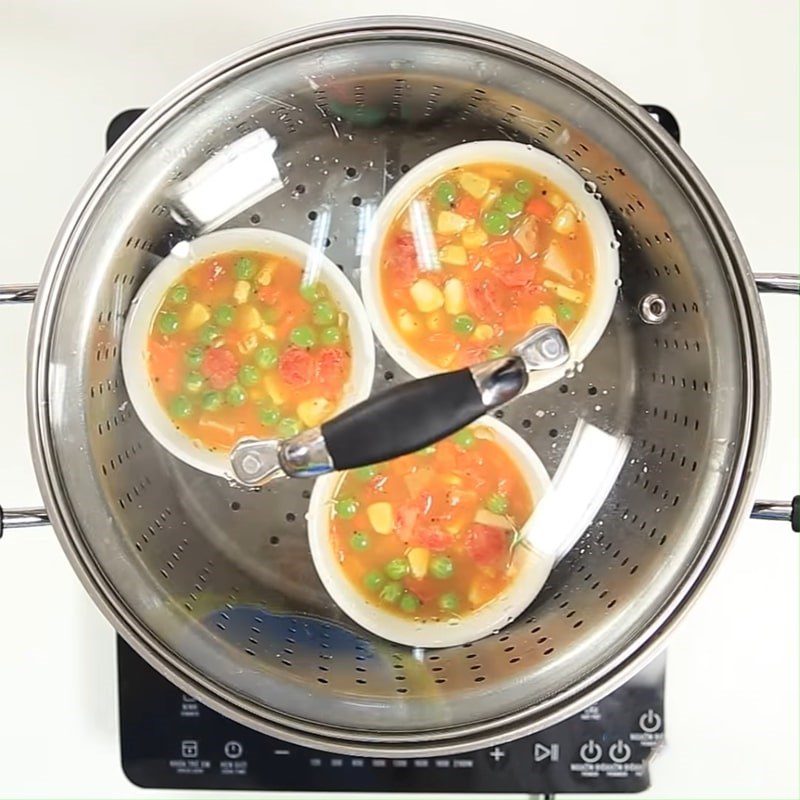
534	566
606	258
150	295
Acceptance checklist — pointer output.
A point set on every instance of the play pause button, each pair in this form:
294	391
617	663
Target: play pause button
544	752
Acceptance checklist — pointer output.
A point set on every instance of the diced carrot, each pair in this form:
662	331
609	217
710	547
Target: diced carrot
504	252
540	208
165	360
468	206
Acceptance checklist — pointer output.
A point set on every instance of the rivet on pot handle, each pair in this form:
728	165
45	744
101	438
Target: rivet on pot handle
404	419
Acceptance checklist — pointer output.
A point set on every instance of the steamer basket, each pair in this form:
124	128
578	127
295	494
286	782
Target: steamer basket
215	586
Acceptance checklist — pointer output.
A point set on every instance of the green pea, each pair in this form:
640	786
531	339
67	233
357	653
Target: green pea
179	294
266	357
168	322
463	324
373	580
497	351
245	268
323	313
332	335
448	601
180	407
366	473
346	507
288	426
445	194
510	205
391	592
194	357
397	568
441	567
224	315
523	188
313	291
464	438
208	333
193	382
211	401
248	375
359	540
303	336
497	503
495	223
409	603
564	311
236	395
269	416
271	315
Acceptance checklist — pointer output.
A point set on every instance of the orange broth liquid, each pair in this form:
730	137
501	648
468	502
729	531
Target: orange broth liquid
237	348
513	252
433	535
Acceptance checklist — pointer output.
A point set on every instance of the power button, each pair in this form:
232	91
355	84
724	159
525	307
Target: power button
591	752
650	721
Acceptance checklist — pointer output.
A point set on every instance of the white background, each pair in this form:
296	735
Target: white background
729	72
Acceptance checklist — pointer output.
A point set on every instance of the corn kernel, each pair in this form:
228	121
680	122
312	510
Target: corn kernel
241	291
315	411
196	316
474	184
449	223
544	315
483	333
453	254
418	559
408	322
474	237
381	517
455	296
427	296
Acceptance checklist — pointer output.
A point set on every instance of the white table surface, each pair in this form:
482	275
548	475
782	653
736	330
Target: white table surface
728	70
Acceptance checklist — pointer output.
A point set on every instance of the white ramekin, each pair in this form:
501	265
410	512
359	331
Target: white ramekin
533	566
606	258
150	295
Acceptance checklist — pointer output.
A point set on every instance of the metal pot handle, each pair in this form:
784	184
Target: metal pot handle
780	510
20	517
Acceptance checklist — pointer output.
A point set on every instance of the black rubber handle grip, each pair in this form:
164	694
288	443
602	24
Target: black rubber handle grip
795	519
403	419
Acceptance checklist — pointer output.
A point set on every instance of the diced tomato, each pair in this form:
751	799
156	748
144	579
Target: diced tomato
468	206
405	517
485	544
214	273
484	297
424	588
504	252
539	207
402	259
331	365
516	274
268	294
432	537
220	366
296	366
165	360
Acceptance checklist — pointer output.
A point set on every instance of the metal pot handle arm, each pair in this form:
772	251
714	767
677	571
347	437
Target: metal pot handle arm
403	419
778	510
20	517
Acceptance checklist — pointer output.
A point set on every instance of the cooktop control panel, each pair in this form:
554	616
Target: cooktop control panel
170	740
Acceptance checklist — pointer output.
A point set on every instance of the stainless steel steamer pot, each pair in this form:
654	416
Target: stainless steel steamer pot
213	585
